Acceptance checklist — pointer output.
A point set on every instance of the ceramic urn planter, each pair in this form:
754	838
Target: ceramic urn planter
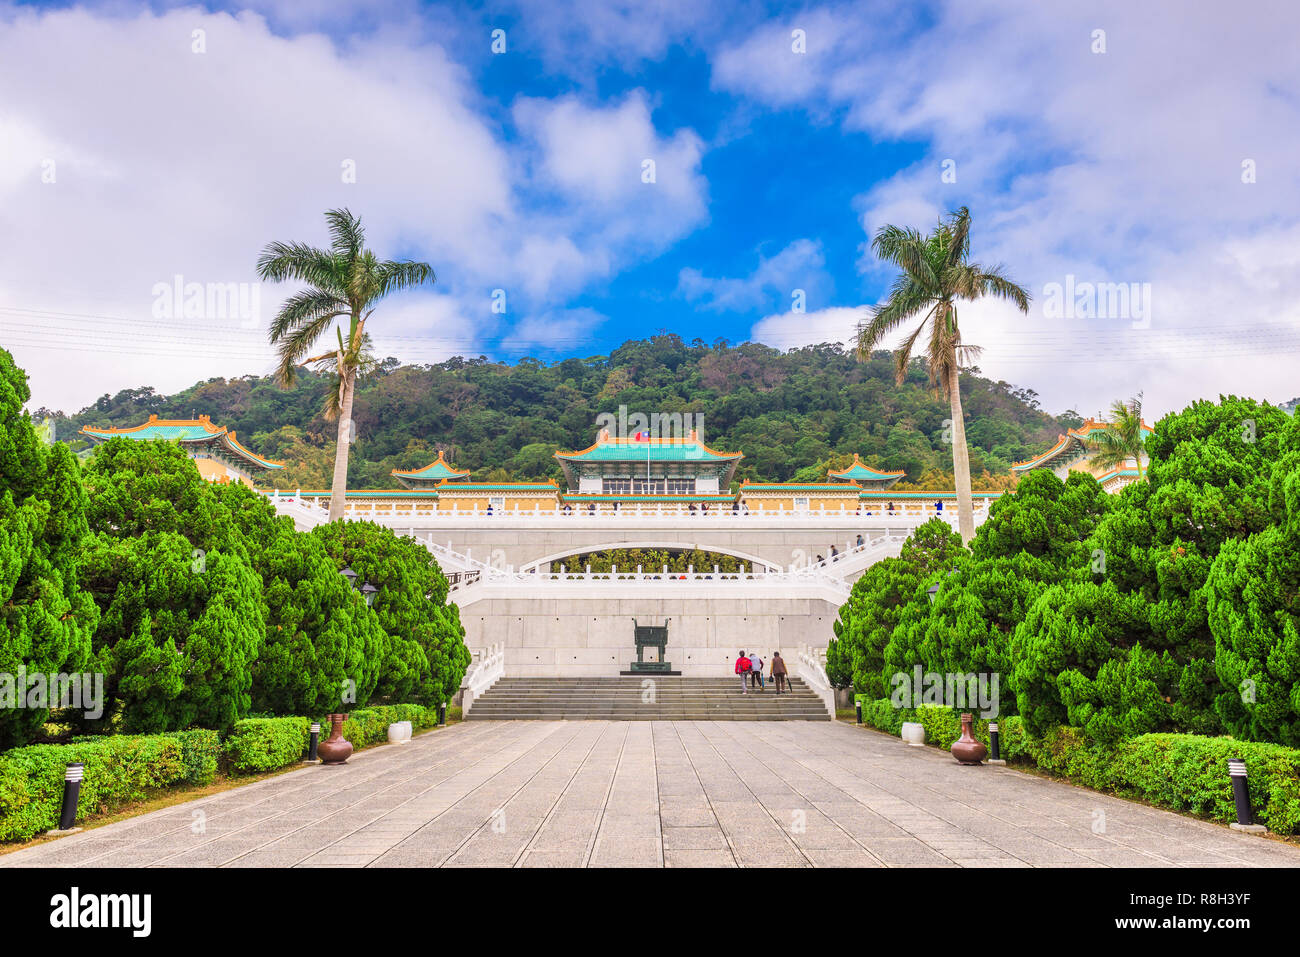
399	732
335	749
913	732
966	749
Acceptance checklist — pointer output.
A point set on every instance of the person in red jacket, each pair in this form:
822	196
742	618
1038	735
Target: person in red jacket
742	669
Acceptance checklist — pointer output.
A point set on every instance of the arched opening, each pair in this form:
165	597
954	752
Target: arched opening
652	556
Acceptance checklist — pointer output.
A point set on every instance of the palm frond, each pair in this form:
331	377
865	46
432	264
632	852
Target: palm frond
281	261
347	237
395	276
993	282
905	248
297	343
906	298
304	307
958	237
903	354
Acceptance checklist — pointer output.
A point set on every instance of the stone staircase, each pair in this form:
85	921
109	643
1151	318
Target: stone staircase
620	699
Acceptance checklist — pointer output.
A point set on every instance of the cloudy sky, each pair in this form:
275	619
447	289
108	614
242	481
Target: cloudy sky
599	170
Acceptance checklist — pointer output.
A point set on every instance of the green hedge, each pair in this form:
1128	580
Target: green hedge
942	725
1182	772
125	769
367	726
265	744
119	770
201	755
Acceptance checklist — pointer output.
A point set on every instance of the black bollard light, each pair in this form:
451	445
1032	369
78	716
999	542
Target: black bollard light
1241	795
71	794
315	740
442	714
995	744
857	703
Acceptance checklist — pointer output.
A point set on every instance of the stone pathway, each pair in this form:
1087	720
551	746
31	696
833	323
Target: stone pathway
650	794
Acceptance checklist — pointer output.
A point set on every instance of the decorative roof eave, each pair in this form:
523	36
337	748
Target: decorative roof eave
1122	472
1071	437
437	470
604	440
358	493
209	434
551	486
860	470
263	462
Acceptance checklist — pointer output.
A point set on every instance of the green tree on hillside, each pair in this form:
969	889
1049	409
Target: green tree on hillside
936	274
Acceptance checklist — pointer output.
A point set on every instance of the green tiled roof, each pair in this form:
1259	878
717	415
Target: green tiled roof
436	471
198	431
859	471
656	450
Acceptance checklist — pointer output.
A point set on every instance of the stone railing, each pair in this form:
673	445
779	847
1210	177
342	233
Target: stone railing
851	550
488	666
639	575
421	510
812	669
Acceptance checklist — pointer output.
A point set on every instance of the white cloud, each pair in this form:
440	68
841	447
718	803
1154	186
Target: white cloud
800	266
789	330
169	162
614	171
1123	166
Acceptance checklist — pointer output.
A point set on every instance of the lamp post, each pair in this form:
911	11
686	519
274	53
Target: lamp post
350	575
368	592
932	591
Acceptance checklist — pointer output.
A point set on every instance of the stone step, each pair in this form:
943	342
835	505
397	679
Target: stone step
620	699
475	715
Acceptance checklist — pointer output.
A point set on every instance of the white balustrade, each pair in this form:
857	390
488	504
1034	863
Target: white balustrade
488	666
812	669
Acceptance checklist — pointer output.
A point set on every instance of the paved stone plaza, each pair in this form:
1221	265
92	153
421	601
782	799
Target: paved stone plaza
650	794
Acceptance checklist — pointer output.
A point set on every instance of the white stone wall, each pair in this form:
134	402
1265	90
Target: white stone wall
593	636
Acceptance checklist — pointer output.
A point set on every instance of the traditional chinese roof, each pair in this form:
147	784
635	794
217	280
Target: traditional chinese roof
360	493
859	471
1117	476
1069	447
436	471
192	433
675	455
499	487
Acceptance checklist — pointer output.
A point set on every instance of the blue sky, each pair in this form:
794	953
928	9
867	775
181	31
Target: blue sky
1150	146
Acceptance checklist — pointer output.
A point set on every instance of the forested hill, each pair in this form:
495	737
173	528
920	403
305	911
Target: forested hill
793	414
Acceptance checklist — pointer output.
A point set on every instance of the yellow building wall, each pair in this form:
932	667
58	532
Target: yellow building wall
216	471
513	501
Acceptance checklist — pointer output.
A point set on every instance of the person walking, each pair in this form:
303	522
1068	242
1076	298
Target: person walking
779	672
756	672
742	669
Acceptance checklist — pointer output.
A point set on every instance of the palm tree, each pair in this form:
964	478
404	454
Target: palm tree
343	281
1122	438
935	275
